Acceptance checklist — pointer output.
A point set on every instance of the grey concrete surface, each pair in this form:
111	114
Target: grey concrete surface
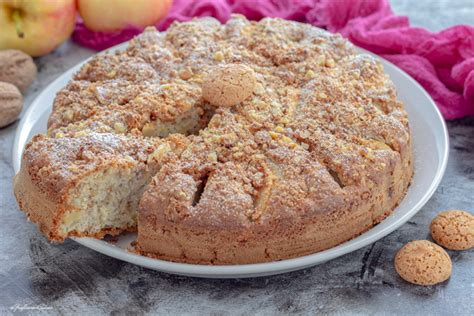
71	279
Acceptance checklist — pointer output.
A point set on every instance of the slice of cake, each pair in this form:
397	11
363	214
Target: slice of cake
89	185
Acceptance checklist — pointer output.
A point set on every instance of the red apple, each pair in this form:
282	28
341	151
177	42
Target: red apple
36	26
113	15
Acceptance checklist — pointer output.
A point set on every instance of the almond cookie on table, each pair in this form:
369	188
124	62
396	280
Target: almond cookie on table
453	229
423	262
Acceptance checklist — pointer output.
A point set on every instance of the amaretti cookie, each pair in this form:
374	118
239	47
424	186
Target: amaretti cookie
423	262
453	229
228	85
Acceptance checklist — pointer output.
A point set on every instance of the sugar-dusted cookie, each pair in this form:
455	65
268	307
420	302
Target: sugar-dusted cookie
423	262
453	229
229	85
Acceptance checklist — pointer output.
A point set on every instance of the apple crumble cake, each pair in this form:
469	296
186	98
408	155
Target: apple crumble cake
222	144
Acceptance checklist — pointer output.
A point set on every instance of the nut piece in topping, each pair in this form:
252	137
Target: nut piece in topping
11	103
186	73
228	85
17	68
453	229
423	262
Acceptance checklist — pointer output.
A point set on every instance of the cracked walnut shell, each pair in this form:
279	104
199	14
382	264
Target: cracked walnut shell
17	68
11	103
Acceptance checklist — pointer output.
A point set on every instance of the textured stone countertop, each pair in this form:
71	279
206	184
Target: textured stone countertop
69	278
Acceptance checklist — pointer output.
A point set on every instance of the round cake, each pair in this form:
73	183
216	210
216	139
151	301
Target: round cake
222	144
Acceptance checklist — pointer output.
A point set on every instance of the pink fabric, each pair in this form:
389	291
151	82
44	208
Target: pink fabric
442	62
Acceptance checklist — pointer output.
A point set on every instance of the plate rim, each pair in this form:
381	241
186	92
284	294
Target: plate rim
245	270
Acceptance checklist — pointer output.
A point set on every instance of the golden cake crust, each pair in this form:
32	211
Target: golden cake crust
312	149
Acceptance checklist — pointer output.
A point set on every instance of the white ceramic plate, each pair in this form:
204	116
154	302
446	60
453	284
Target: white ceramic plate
430	141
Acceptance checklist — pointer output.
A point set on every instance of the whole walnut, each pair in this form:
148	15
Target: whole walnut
11	103
17	68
